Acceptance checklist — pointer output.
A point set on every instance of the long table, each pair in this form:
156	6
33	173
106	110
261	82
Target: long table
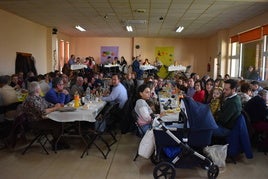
147	67
78	66
176	68
79	115
172	115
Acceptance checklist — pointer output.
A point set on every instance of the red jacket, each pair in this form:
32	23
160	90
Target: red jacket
199	96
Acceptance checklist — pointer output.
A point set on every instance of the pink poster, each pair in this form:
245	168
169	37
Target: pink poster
108	53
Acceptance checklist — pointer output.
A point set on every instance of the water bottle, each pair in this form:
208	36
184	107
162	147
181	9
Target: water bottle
88	94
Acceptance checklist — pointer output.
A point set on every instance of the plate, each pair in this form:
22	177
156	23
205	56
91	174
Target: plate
67	109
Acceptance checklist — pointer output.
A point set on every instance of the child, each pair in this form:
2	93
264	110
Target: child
215	103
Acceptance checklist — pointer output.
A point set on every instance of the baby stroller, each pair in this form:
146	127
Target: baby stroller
176	147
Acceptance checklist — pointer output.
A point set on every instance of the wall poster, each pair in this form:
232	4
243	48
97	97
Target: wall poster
108	51
166	56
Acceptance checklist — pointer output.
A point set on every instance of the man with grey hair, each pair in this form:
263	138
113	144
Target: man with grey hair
78	87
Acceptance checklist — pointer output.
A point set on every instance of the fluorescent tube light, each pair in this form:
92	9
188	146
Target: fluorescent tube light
179	29
78	27
129	28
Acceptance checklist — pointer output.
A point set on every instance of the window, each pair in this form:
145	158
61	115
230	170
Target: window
252	56
235	60
264	72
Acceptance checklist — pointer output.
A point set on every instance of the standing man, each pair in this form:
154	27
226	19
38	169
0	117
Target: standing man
57	94
136	67
230	109
118	93
71	60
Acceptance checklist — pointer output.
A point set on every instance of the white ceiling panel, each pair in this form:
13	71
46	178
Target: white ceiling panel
106	17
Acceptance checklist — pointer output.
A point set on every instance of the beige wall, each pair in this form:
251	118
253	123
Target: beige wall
20	35
90	46
249	24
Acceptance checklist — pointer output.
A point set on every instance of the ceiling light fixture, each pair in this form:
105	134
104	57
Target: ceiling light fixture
78	27
129	28
179	29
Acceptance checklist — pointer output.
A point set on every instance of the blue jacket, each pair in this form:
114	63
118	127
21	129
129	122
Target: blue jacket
54	97
239	140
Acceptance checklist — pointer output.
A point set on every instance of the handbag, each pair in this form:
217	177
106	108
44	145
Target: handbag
217	153
147	144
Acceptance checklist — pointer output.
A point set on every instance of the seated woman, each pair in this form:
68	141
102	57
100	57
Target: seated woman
143	110
146	62
199	94
38	108
209	85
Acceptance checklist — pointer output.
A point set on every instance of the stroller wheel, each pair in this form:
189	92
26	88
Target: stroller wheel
213	172
155	159
164	170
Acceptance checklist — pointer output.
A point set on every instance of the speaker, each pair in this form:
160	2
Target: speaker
137	46
54	31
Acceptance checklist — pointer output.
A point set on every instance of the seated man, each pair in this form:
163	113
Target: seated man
255	86
7	92
118	93
229	111
98	80
78	87
57	94
8	95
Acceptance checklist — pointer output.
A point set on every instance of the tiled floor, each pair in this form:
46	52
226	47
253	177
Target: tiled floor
119	164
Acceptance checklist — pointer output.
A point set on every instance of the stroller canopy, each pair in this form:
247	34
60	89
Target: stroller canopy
199	115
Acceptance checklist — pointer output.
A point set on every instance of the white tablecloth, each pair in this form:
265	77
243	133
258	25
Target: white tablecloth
110	66
78	66
176	68
147	67
80	114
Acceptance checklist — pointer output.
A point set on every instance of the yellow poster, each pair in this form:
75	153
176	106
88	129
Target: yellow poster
166	56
